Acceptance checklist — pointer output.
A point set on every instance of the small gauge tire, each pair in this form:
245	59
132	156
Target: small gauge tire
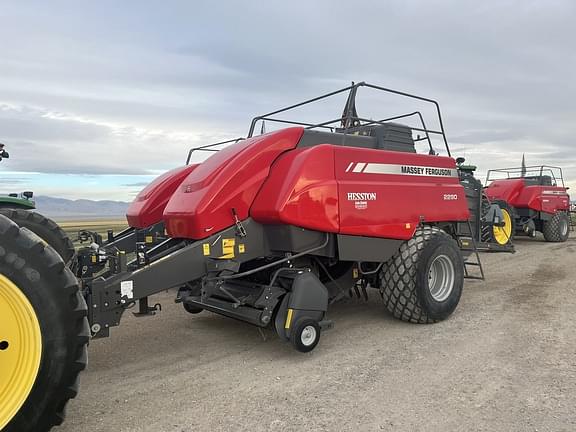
193	309
305	335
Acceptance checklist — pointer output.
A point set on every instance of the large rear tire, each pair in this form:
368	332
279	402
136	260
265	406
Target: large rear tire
557	229
423	282
45	228
44	332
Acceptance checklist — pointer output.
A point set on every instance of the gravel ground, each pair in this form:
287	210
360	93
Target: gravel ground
505	361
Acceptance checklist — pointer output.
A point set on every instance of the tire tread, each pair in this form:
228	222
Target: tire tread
66	293
398	278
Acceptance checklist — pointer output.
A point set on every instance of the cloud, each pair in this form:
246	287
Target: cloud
13	181
53	142
139	184
87	91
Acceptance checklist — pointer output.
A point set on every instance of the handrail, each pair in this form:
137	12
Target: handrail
348	118
208	147
518	170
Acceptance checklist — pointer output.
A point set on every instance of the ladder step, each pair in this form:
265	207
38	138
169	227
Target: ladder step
469	243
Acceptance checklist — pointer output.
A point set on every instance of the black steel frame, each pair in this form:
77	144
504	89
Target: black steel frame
348	119
516	172
209	147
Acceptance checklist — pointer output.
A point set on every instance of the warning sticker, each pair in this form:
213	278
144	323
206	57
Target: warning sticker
127	289
241	248
206	249
228	248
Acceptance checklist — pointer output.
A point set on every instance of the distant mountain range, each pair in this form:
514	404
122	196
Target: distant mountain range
82	208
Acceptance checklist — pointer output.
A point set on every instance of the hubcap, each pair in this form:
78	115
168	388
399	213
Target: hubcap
20	349
441	278
502	234
308	335
563	228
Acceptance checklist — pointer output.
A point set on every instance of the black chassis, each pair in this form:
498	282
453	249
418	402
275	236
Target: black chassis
529	220
93	259
483	216
242	272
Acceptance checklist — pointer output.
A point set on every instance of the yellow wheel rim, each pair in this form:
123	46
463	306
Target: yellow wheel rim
503	234
20	349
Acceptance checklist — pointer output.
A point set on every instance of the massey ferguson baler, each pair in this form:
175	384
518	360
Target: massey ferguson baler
537	197
274	228
270	230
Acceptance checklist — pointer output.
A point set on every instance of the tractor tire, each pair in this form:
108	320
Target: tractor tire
557	229
44	228
44	332
422	283
503	236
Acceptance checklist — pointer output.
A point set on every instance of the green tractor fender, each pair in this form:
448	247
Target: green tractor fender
23	201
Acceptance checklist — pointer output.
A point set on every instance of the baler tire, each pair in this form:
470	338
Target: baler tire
45	228
297	334
36	273
405	278
557	229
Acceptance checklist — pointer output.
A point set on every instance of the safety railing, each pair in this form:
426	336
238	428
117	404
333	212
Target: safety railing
528	172
210	147
347	122
350	119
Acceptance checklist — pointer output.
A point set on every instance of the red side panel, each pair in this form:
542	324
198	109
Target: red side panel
387	193
301	190
547	199
360	191
229	179
553	199
147	208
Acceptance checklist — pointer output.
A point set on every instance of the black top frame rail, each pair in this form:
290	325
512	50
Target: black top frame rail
529	171
349	120
210	147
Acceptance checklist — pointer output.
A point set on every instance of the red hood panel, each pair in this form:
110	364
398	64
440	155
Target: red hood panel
230	179
515	192
147	207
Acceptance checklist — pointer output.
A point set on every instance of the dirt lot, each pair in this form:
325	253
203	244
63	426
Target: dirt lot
505	361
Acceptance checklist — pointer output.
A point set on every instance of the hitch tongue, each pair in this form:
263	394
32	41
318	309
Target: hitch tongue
145	310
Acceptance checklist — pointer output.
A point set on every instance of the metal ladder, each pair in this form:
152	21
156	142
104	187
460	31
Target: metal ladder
476	263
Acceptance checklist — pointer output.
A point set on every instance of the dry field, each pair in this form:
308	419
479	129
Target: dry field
72	227
505	361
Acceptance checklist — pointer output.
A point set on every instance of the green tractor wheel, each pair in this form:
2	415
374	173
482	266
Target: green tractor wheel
44	332
44	228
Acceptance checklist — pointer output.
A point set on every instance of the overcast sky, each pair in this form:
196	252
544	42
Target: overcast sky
96	98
